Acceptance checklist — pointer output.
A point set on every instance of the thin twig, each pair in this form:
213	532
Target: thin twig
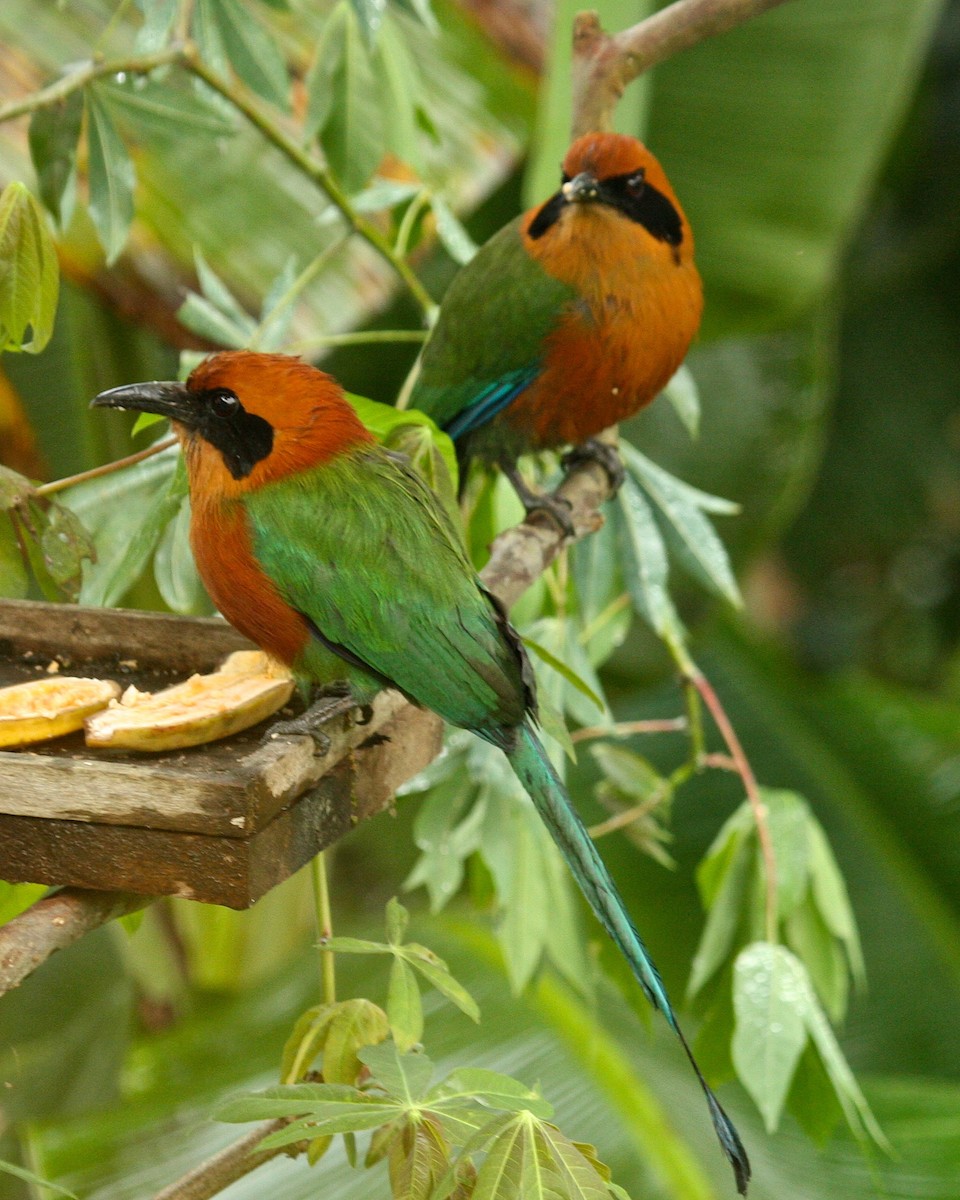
628	728
628	815
59	485
324	913
745	771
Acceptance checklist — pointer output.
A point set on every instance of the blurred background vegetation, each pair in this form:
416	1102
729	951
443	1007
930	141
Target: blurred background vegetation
817	153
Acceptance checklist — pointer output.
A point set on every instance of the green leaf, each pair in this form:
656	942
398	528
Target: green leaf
419	1157
354	1025
398	918
833	901
349	945
166	110
771	1024
453	236
422	10
29	276
174	569
158	19
37	1183
813	943
680	508
445	841
682	393
65	545
112	177
566	672
276	317
627	771
436	972
790	821
207	321
404	1006
643	557
580	1179
14	580
343	108
494	1089
399	82
370	14
53	136
209	36
332	1104
252	51
405	1076
387	423
724	891
305	1042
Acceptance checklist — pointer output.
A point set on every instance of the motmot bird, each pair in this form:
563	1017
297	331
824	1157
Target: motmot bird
569	320
334	555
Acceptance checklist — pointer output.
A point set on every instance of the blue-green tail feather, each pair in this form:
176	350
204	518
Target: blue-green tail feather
529	760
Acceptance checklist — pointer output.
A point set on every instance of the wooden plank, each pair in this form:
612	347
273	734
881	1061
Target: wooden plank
219	869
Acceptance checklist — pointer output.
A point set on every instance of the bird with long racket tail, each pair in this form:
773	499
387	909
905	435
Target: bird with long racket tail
570	319
334	555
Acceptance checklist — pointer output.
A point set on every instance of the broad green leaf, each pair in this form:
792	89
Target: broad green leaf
429	456
253	52
209	35
436	972
126	514
602	599
679	508
174	569
399	80
166	110
335	1107
29	276
627	771
344	111
386	422
383	194
279	304
453	236
305	1042
682	393
524	929
643	556
422	10
725	896
444	839
111	174
478	1142
821	953
833	901
53	135
370	14
769	998
14	581
220	296
501	1176
419	1157
405	1076
354	1024
494	1089
404	1006
790	821
38	1184
208	321
158	19
349	945
580	1178
65	545
398	918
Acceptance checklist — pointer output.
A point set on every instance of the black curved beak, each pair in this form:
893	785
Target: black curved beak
581	189
168	399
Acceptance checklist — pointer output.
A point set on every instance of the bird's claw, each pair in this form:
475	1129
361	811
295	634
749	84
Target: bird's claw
556	508
309	723
602	453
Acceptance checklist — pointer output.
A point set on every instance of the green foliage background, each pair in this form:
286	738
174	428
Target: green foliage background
815	151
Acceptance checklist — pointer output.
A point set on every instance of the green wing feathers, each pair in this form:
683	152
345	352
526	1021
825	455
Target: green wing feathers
365	551
501	288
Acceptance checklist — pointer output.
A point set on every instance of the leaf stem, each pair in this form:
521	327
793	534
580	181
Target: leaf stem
324	914
628	728
742	766
58	485
361	337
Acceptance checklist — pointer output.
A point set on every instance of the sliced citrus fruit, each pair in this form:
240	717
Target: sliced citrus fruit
249	687
49	708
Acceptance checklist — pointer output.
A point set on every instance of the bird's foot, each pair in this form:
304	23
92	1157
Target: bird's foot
310	722
601	453
554	507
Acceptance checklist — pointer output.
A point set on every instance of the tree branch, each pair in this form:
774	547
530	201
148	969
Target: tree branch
603	64
53	923
230	1164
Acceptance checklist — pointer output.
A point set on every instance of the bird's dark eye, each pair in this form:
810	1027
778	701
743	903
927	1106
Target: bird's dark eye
635	182
224	403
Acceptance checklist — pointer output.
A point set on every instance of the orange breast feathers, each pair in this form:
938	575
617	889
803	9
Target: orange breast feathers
638	307
220	539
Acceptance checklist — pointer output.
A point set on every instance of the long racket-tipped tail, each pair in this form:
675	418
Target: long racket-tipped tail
533	768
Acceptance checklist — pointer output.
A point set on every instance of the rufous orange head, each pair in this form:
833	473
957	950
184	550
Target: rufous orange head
246	418
617	176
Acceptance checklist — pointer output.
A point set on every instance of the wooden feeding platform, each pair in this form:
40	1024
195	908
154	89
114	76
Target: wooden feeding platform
222	822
